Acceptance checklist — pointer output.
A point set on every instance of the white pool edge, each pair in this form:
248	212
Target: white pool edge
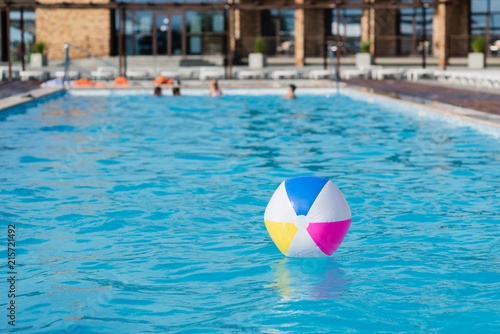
14	100
460	116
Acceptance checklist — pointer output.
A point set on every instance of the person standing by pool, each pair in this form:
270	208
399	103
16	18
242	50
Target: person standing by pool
291	93
157	91
214	89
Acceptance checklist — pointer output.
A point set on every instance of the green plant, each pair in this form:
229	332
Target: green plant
364	47
259	45
478	44
39	47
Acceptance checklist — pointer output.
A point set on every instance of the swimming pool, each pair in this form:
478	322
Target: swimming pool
139	214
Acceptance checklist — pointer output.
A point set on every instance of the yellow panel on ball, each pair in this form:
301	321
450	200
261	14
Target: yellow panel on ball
282	234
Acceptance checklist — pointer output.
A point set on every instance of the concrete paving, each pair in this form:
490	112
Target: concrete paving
26	96
16	87
485	101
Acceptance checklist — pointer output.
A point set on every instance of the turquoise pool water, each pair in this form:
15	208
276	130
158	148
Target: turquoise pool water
138	215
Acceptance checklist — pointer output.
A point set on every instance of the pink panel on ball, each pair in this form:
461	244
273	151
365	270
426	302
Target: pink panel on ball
329	236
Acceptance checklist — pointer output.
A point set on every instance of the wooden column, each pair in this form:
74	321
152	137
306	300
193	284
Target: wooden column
371	27
441	33
300	38
366	26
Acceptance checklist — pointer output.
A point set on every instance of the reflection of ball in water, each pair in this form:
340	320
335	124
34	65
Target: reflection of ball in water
307	217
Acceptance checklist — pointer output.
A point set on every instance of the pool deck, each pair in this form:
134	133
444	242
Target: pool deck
10	88
480	100
16	92
472	105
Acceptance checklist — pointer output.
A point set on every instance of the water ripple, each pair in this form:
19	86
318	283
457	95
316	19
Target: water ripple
140	216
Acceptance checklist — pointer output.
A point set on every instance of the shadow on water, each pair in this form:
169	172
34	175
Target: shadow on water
308	278
18	110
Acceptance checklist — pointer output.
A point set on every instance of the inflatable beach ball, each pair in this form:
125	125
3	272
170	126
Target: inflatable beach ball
307	217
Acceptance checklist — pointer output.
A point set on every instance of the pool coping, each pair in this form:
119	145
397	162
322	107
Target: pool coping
445	109
28	96
448	110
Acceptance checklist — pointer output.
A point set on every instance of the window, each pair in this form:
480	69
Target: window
15	33
349	29
176	32
411	30
194	22
349	24
480	10
284	21
216	21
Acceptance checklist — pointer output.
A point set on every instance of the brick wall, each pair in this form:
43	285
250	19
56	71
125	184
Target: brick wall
368	27
300	36
86	28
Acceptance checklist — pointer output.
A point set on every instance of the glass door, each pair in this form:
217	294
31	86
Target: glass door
160	39
176	46
169	36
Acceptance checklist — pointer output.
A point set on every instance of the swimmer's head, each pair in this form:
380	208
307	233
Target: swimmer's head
214	84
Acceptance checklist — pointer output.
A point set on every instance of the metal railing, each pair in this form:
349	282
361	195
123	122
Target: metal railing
284	46
402	45
274	46
461	45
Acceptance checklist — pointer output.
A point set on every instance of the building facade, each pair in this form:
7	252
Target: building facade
294	28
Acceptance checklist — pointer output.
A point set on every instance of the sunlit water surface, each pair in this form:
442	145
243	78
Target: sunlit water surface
137	214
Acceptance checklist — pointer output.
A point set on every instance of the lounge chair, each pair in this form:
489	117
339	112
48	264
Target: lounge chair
174	74
415	74
105	73
137	74
34	75
251	74
487	79
285	74
355	73
207	73
70	75
321	74
4	73
381	74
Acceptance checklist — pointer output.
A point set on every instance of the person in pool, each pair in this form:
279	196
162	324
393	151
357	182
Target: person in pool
176	91
214	89
157	91
291	92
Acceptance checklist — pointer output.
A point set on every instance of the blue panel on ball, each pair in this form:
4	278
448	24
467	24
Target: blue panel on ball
302	192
